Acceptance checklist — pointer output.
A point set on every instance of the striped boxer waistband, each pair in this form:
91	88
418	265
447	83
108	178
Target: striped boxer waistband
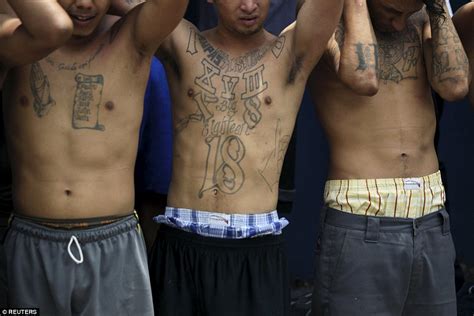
395	197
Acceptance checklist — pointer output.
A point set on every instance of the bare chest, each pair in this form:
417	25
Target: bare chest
401	56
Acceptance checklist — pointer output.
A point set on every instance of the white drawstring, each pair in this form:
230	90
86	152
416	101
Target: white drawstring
81	257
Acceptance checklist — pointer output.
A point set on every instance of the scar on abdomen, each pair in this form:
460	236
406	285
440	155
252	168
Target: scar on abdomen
109	105
24	101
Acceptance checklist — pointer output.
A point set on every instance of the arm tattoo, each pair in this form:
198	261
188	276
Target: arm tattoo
87	102
368	56
449	59
41	91
340	35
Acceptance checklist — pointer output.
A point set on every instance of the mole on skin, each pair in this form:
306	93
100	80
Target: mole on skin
109	105
268	100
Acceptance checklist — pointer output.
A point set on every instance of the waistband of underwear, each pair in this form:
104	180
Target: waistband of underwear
221	225
34	227
394	197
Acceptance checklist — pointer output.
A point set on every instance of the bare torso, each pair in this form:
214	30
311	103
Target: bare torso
234	114
391	134
72	122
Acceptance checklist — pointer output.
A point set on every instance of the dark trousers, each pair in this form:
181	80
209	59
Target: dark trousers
194	275
384	266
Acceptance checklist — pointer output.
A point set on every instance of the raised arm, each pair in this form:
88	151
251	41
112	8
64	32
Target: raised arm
151	22
464	23
122	7
354	50
446	61
38	28
315	23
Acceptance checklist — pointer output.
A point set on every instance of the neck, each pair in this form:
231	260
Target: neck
238	41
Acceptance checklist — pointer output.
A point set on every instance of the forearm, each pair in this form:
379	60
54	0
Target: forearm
358	65
310	40
450	65
44	20
122	7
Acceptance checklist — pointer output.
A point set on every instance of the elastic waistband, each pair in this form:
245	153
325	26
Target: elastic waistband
221	225
398	197
200	240
375	224
32	228
67	224
424	182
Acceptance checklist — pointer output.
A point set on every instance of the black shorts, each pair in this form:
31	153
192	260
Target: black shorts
195	275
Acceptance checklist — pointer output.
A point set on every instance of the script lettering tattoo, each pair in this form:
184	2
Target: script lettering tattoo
40	88
227	175
399	55
275	158
241	63
76	66
367	55
87	101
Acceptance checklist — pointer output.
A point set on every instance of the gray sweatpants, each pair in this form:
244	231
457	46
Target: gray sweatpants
379	266
96	271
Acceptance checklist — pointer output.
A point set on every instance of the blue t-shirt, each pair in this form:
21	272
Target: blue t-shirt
153	165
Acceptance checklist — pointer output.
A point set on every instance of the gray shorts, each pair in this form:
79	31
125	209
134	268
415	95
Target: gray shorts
367	266
94	271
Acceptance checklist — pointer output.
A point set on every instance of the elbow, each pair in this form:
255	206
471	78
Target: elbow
364	85
58	30
453	89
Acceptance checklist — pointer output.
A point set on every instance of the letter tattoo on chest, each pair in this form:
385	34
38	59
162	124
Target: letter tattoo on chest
226	88
399	55
87	102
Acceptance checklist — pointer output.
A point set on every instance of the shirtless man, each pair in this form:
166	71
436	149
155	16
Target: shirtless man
385	246
22	42
236	90
72	121
464	22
